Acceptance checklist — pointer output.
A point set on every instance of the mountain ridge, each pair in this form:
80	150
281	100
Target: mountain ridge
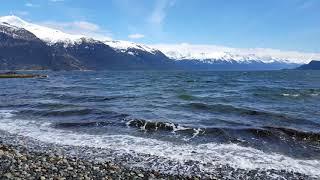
21	49
313	65
79	52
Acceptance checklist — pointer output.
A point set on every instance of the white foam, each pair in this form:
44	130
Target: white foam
291	95
196	132
209	155
4	114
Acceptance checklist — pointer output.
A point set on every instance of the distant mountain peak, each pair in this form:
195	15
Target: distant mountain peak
12	20
48	35
52	36
124	46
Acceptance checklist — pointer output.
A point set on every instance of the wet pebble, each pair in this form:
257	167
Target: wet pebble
36	165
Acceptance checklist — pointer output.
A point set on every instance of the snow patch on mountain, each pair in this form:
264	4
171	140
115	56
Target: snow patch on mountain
8	28
15	32
124	46
46	34
213	53
52	36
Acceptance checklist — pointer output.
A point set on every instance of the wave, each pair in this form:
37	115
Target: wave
300	95
5	114
258	132
167	156
300	135
81	124
100	118
85	98
223	108
68	88
72	112
286	92
56	113
249	113
13	105
154	126
53	105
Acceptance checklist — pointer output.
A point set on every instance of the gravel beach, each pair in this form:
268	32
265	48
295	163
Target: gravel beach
26	158
19	162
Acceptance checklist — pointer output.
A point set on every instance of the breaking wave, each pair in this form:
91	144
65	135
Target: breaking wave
264	132
210	156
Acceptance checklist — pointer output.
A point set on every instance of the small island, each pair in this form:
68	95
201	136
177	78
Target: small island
16	75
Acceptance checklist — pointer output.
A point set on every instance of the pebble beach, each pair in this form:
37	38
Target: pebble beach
19	162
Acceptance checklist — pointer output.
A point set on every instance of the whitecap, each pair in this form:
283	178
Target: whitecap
4	114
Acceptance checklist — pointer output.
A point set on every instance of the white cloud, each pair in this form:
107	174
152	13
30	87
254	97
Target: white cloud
154	15
136	36
80	27
203	51
28	4
159	12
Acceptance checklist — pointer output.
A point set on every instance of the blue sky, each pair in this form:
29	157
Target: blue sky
277	24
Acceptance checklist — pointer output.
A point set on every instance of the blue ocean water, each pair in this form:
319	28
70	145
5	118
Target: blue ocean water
247	120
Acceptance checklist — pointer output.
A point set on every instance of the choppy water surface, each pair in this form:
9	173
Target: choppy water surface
248	121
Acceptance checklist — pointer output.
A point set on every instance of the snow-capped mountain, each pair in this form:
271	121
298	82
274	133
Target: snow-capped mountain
52	36
25	45
15	32
212	54
75	51
125	46
48	35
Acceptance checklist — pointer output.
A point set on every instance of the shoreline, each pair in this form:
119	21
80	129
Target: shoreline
23	157
15	75
20	162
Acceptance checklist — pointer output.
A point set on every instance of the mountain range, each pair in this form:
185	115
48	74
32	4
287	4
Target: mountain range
28	46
